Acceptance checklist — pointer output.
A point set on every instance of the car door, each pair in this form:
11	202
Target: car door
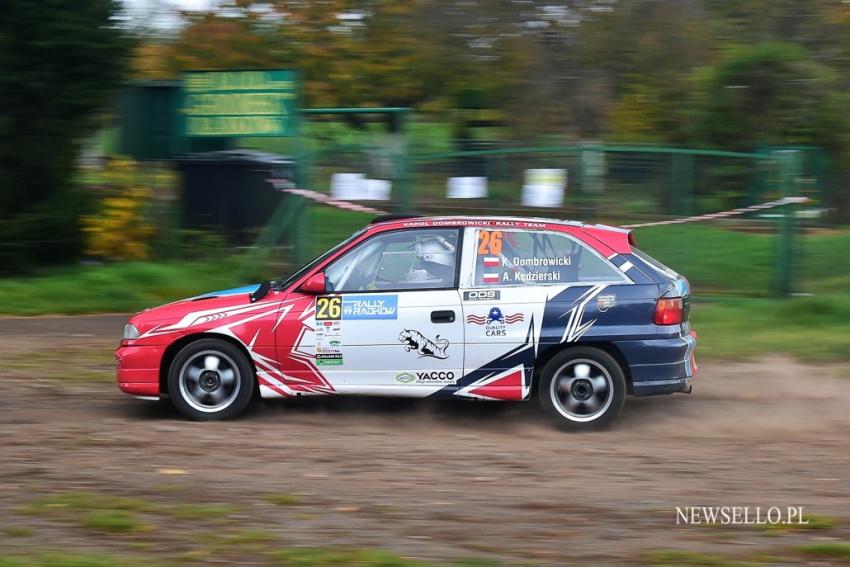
519	289
390	323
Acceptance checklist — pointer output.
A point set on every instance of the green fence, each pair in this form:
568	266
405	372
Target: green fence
761	253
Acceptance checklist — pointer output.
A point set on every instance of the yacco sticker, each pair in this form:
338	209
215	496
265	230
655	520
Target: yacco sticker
433	377
354	307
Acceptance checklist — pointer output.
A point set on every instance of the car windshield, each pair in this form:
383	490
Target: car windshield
287	281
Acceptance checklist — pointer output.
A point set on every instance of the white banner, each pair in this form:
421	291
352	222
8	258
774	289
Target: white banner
357	187
467	187
544	187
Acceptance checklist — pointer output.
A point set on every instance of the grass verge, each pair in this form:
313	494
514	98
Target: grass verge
808	328
834	549
115	288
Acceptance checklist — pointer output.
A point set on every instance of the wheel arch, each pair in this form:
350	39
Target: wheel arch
606	346
175	347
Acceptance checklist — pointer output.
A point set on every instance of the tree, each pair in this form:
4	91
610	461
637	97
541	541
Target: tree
768	95
60	64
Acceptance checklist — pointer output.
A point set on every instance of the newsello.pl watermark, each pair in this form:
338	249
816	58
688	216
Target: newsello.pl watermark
740	516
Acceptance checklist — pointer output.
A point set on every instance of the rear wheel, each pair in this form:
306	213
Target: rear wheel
210	379
582	388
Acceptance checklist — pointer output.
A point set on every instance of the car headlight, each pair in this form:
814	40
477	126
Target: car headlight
130	332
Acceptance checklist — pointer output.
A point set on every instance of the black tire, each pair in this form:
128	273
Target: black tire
205	390
563	390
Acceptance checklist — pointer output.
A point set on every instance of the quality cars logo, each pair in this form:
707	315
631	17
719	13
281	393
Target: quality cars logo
495	322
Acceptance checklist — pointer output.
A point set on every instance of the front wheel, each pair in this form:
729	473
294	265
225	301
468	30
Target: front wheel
583	388
210	379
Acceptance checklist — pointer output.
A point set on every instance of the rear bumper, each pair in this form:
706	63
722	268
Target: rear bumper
137	370
660	366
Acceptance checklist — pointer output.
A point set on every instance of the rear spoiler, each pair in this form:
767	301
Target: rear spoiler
620	240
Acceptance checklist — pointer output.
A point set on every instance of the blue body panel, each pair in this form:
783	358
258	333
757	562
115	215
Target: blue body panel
658	359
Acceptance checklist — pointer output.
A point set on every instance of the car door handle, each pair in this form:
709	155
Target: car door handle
442	316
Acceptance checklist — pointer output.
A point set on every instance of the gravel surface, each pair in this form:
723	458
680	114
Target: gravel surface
438	481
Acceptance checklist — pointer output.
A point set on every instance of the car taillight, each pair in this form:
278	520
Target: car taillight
668	311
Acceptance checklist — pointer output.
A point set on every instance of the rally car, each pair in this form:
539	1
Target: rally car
482	308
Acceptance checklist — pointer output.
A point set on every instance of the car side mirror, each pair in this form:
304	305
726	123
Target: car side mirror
315	285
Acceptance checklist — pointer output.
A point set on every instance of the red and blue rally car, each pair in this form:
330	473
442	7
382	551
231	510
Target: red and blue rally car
460	307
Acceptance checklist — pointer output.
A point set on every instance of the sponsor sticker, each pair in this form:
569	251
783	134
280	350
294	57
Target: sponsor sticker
414	341
405	377
329	359
370	307
495	322
482	295
606	302
356	307
329	344
426	377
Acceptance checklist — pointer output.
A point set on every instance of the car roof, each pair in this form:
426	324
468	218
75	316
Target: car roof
614	238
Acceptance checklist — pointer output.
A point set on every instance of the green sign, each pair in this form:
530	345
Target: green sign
240	103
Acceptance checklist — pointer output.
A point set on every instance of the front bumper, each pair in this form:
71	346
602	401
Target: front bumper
660	366
137	370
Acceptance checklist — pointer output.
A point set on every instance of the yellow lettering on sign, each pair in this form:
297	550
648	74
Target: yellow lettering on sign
234	125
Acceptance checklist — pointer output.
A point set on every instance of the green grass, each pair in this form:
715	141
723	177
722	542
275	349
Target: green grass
120	514
834	549
191	511
741	263
18	531
282	499
67	559
98	512
76	502
288	557
813	522
691	559
114	288
331	226
323	557
114	521
810	328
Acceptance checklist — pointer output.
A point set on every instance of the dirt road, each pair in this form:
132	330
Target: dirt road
435	481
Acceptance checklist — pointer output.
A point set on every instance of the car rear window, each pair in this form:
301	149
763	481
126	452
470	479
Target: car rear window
520	257
656	265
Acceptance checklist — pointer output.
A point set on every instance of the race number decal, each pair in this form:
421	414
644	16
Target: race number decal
328	308
489	242
489	251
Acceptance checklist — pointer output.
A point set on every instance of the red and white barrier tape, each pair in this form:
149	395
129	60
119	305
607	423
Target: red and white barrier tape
348	206
724	214
328	200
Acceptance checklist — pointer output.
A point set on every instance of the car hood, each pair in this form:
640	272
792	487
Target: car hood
196	310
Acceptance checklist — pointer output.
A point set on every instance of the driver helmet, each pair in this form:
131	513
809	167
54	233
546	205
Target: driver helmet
436	256
436	251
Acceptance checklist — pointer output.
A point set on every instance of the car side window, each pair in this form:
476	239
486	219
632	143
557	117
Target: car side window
398	260
525	257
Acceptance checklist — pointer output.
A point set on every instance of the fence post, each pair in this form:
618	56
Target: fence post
789	171
403	199
682	184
